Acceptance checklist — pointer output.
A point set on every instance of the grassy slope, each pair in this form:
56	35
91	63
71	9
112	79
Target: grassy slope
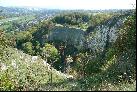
20	72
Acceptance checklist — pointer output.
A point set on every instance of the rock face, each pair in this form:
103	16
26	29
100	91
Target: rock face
98	37
70	36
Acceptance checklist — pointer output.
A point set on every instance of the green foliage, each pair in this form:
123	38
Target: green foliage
80	65
6	83
99	18
20	73
125	46
4	42
111	71
127	38
43	31
121	57
37	48
27	47
22	37
71	19
50	52
2	39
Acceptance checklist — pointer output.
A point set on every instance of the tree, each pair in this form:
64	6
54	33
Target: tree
49	53
28	47
37	47
22	37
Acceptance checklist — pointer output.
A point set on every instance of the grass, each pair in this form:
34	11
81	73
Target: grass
94	84
18	72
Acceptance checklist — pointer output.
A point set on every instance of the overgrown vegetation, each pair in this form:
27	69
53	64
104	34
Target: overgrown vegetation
100	58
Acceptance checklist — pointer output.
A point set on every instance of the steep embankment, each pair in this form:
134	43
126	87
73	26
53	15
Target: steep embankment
106	32
20	71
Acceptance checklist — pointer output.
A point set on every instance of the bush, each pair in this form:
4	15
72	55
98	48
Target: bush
27	47
50	53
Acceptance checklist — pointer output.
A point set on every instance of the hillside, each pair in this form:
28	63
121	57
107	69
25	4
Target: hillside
25	72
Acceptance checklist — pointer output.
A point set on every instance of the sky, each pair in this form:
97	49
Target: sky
72	4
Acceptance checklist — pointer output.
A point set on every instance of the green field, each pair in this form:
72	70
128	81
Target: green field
6	23
20	19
